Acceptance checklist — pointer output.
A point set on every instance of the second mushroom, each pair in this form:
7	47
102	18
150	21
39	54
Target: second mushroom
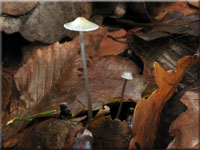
127	75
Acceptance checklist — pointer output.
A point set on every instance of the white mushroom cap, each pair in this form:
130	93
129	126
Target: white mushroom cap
81	24
127	75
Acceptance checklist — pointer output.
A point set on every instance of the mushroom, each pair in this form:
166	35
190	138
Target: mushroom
81	24
127	75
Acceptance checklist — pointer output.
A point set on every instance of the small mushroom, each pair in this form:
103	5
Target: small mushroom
127	75
81	24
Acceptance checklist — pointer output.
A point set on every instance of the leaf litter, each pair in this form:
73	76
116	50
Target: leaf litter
53	72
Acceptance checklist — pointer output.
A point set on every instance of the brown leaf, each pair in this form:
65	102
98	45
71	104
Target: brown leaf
9	95
54	74
110	133
70	139
48	65
147	112
173	7
13	139
106	82
35	78
166	51
6	95
50	133
186	127
172	23
6	90
110	47
194	3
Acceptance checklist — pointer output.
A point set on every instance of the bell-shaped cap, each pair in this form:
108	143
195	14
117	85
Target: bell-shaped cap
81	24
127	75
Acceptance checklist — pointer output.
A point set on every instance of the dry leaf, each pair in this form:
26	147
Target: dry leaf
47	66
7	90
70	139
194	3
70	85
110	133
173	7
173	23
186	127
6	95
13	139
110	47
147	112
166	51
105	83
50	133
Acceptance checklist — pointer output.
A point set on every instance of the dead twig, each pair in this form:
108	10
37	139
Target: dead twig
116	39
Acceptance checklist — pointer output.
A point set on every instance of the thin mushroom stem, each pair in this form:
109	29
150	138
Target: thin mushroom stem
121	99
86	77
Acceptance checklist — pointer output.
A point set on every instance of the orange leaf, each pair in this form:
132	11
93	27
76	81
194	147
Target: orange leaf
147	112
110	47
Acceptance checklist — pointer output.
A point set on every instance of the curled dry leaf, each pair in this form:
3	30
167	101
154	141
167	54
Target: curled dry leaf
185	128
147	112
